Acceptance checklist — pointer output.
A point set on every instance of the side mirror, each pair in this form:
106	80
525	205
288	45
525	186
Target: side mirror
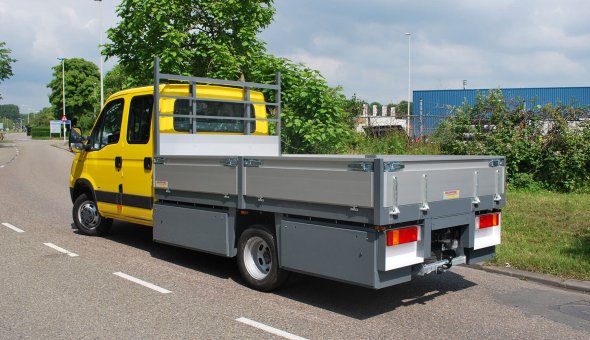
76	141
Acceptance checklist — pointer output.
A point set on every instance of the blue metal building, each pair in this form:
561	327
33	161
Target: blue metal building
435	105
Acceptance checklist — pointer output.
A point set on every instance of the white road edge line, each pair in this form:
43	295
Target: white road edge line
269	329
143	283
61	250
8	225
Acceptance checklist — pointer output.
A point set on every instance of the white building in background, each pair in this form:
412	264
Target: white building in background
375	124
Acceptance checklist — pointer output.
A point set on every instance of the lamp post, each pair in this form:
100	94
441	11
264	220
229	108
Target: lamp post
63	90
99	47
409	82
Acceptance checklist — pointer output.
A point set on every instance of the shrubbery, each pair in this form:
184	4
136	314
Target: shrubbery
545	146
42	133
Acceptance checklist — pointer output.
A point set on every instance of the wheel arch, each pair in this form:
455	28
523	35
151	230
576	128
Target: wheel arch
82	186
254	219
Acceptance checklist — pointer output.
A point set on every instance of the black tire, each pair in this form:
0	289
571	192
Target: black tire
258	259
87	218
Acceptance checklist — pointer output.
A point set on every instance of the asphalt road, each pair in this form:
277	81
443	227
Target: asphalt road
48	292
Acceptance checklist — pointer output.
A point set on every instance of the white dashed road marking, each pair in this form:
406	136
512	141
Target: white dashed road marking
8	225
143	283
269	329
61	250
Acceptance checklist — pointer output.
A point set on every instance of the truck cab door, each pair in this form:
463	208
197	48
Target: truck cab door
138	155
104	159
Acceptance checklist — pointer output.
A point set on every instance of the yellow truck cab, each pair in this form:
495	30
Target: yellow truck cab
112	172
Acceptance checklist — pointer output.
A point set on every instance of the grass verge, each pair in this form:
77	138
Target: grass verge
546	232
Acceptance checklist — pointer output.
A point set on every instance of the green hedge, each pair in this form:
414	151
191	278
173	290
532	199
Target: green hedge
42	133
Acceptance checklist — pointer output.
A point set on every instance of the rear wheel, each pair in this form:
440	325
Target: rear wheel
87	218
258	259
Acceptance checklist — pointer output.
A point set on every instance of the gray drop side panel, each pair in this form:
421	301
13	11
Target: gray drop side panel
335	253
194	228
198	174
319	180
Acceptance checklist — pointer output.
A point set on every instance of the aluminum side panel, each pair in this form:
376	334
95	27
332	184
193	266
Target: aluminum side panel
348	188
439	184
205	175
335	253
192	228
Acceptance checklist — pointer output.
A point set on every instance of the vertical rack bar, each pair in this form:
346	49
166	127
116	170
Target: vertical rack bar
278	99
247	110
193	103
156	114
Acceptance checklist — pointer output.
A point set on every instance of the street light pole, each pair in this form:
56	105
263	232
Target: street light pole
63	90
409	82
100	46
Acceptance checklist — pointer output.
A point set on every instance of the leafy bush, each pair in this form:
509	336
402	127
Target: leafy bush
393	143
313	117
545	146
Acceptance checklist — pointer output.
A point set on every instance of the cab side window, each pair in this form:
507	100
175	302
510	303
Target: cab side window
140	117
108	127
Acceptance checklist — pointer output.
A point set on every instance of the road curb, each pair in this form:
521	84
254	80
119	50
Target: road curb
578	285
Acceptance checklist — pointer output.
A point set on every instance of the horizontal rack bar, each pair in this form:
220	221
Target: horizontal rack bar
218	100
217	81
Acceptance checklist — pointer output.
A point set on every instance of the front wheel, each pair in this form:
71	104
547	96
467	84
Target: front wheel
258	259
87	218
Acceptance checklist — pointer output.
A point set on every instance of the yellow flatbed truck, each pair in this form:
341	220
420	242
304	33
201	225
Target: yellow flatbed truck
200	162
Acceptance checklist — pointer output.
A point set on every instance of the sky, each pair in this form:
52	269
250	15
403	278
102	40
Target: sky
359	45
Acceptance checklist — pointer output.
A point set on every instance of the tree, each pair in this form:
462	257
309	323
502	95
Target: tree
313	117
402	109
5	63
42	117
192	37
218	39
115	80
81	88
9	111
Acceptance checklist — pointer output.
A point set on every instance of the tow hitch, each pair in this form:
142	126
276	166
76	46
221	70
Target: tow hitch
439	267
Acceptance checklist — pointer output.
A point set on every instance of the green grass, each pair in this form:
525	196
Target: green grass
546	232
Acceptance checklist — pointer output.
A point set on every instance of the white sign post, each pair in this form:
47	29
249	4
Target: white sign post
54	127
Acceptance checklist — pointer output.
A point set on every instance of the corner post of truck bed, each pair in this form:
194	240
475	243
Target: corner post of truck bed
380	215
156	114
278	100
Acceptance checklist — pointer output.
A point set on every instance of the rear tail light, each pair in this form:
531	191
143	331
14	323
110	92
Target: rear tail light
401	236
486	221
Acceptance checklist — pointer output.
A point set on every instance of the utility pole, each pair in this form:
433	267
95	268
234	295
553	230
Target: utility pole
63	90
100	54
409	82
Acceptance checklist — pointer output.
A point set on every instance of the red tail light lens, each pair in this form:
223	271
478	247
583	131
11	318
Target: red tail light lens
401	236
489	220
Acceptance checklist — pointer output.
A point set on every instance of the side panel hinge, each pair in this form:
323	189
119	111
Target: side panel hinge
496	162
252	163
392	166
230	162
361	166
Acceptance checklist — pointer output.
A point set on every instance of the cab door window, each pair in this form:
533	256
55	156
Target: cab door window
108	127
140	117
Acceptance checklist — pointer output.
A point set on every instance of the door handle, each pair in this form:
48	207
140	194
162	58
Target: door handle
147	163
118	162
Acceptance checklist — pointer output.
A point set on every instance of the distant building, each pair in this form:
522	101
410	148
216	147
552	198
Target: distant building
379	124
435	105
